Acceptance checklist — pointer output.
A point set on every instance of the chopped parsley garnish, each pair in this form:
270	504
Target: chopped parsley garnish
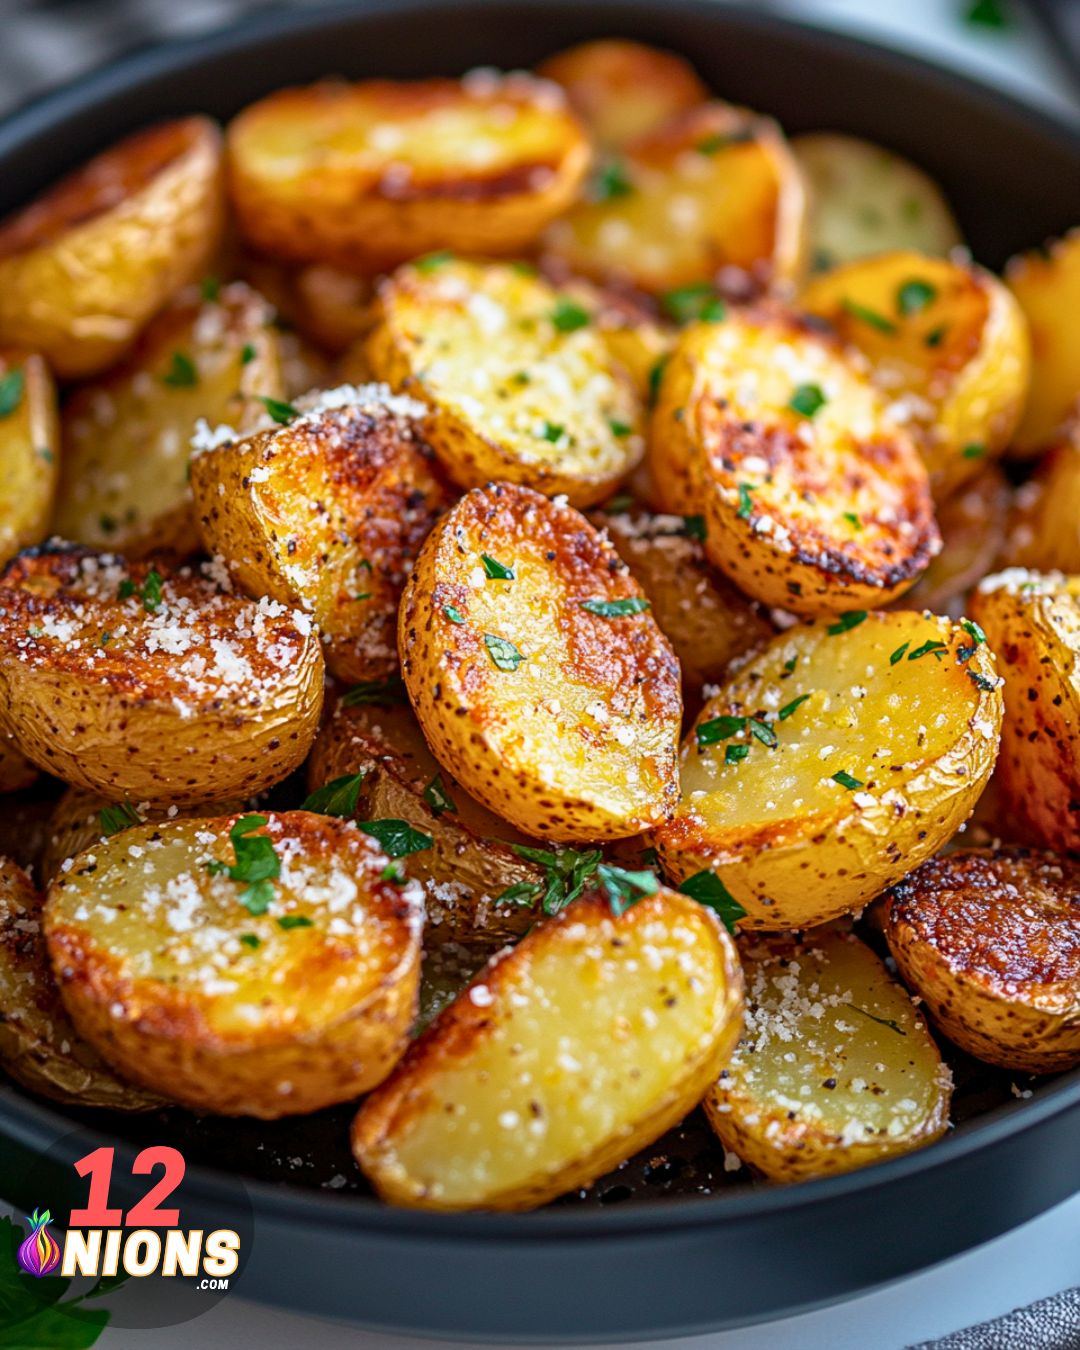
620	503
807	400
431	262
936	336
250	940
708	890
846	622
973	630
521	377
720	140
394	872
566	872
375	691
719	729
883	1021
761	731
846	781
983	682
106	638
745	504
611	181
914	296
282	413
210	288
656	374
868	316
698	300
624	888
336	798
734	753
364	595
182	373
619	429
453	614
551	431
289	921
497	571
974	451
853	520
931	647
256	863
898	655
568	316
437	797
616	609
503	652
788	708
790	665
149	592
247	354
116	817
11	391
397	838
988	14
694	527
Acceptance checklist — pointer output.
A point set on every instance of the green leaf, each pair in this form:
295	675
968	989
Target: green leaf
431	262
151	592
898	655
846	781
551	431
437	797
497	571
566	873
868	316
503	652
719	729
116	817
11	392
936	336
336	798
521	893
619	429
610	181
453	614
616	609
708	890
282	413
746	506
931	647
761	731
788	708
568	316
698	300
807	400
210	288
734	754
973	630
914	296
397	838
846	622
694	527
63	1327
182	374
250	940
656	374
974	451
988	14
247	354
376	691
624	888
291	921
106	1284
720	140
258	897
882	1021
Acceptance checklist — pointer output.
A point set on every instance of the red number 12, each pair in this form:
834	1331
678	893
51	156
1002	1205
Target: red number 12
145	1212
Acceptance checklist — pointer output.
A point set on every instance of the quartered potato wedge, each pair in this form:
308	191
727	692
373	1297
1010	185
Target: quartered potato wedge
866	200
621	90
470	863
538	674
949	346
326	513
711	196
29	450
812	498
835	761
518	382
990	940
836	1068
258	965
705	618
39	1047
1032	621
1044	524
565	1055
151	687
368	175
85	266
127	439
1046	283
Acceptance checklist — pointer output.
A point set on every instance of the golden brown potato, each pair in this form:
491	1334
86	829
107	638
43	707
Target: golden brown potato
866	200
813	499
259	965
835	1070
564	1056
1044	524
1046	282
84	266
39	1047
29	445
835	761
704	617
16	771
990	940
149	686
518	383
714	195
972	524
621	90
1032	622
633	335
949	346
326	305
326	512
537	672
127	439
367	175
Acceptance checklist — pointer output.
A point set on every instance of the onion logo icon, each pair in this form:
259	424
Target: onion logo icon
39	1253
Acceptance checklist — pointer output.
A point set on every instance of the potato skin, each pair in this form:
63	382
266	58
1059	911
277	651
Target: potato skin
1044	524
85	266
579	739
1046	283
1032	621
203	697
583	1076
29	454
312	180
154	972
913	741
16	771
990	940
39	1047
327	514
836	1069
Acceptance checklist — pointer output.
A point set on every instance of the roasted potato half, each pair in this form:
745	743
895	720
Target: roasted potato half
85	266
835	1069
258	965
470	864
367	175
950	348
1044	524
990	941
537	671
1032	621
127	439
621	90
812	498
866	200
714	194
39	1047
16	771
835	761
29	448
565	1055
155	688
326	513
1046	283
704	617
518	383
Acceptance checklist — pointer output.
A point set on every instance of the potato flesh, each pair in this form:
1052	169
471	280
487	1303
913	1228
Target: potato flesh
29	455
1048	289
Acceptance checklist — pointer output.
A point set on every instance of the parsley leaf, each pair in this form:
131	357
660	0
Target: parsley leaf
431	262
708	890
656	374
973	630
931	647
247	354
619	429
453	614
974	451
182	373
846	622
898	655
551	431
868	316
807	400
698	300
745	504
719	729
616	609
289	921
256	863
761	731
694	527
846	781
497	571
114	818
11	392
336	798
566	873
611	181
568	316
250	940
31	1312
624	888
913	296
503	652
149	592
437	797
735	753
788	708
397	837
282	413
376	691
210	288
